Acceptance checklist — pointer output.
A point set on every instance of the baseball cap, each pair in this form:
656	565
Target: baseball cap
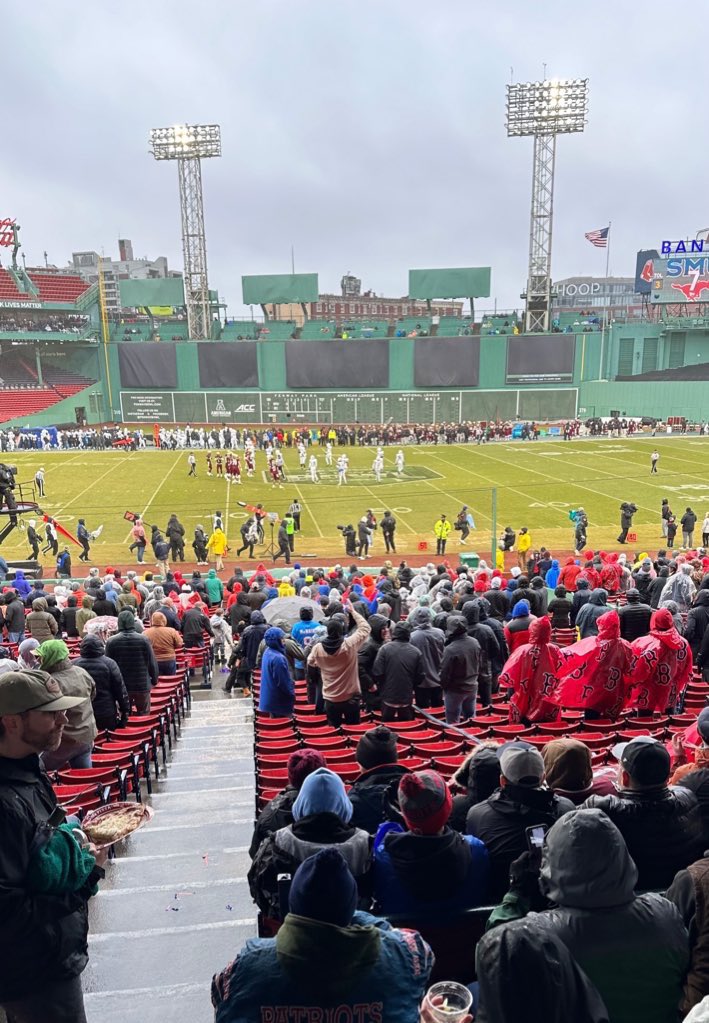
645	759
32	690
521	763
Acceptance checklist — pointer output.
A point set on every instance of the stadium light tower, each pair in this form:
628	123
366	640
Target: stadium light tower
189	144
544	110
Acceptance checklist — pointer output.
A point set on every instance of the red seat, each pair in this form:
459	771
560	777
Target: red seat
322	742
447	766
272	778
266	796
435	749
414	763
284	747
510	731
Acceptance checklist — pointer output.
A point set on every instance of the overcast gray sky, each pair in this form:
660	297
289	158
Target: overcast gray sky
369	135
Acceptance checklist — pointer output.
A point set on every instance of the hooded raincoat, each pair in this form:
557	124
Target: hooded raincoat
594	674
277	695
532	672
661	666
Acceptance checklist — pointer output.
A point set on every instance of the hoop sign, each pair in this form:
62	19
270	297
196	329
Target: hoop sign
7	235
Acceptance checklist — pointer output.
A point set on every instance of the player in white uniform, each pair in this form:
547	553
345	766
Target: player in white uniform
313	469
399	460
328	453
302	455
377	466
341	470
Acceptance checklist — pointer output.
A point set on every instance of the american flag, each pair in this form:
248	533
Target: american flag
598	238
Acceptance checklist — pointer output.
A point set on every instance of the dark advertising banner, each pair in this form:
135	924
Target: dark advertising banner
143	407
147	365
645	270
228	364
447	362
537	358
340	364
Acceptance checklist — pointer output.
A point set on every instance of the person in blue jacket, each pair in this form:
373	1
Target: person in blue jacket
302	632
277	696
429	869
327	961
552	576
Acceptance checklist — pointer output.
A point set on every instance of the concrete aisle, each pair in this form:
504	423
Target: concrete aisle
175	905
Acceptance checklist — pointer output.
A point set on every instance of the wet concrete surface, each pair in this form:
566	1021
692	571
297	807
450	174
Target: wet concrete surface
175	906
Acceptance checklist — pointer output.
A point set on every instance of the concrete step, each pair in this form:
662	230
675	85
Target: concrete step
210	767
172	905
152	1004
198	837
201	782
178	868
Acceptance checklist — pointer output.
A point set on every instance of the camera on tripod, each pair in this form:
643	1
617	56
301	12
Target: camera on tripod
7	476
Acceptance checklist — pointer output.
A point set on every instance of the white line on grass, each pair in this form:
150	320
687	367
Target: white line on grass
307	508
377	497
154	494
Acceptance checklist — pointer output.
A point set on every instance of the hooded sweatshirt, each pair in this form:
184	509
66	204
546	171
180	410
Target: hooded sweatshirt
337	661
531	671
110	702
398	668
697	621
277	694
251	640
588	874
595	672
214	588
73	681
430	641
40	624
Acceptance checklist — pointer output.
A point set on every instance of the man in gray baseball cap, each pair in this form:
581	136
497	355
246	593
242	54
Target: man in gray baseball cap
43	936
522	801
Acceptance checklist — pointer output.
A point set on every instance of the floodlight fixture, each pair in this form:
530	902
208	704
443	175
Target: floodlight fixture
190	141
558	106
188	145
543	110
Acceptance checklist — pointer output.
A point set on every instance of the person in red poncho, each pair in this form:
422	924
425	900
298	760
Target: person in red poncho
532	672
610	573
569	574
661	667
594	676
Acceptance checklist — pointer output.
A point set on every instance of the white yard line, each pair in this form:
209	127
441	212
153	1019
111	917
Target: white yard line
306	507
398	514
155	492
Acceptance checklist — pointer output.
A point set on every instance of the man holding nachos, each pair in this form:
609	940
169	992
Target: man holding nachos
46	875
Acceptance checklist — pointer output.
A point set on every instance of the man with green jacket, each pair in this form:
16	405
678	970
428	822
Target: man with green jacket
215	590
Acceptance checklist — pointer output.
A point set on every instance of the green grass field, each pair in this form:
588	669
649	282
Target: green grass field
536	485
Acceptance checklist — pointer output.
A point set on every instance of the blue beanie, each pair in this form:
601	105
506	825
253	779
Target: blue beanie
323	889
520	609
322	792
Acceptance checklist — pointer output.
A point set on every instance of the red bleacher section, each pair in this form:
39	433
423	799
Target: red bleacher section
51	287
20	394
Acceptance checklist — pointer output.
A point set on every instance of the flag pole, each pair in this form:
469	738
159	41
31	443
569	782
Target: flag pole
608	248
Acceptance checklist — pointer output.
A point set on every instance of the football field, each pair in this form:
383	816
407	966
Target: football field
536	484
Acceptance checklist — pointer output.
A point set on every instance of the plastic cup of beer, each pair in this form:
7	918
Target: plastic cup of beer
448	1001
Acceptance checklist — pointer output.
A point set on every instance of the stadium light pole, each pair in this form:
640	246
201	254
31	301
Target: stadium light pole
189	144
544	110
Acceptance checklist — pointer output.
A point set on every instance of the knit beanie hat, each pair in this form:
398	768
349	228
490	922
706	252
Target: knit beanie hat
322	792
425	801
302	763
52	652
324	889
377	746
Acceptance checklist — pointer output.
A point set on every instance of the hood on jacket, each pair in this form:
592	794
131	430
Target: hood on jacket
26	651
323	792
586	863
92	646
211	574
126	621
257	618
521	609
273	638
567	765
52	652
562	991
582	583
456	626
39	604
540	631
702	599
598	597
471	611
377	623
421	617
324	960
480	773
662	627
609	625
401	632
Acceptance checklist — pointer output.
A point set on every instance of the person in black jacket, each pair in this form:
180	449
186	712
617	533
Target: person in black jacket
695	627
194	624
43	935
239	612
498	599
175	533
278	813
14	617
111	703
459	670
244	655
375	792
474	781
67	621
661	825
560	609
520	802
489	650
580	597
656	587
135	658
634	617
366	657
398	669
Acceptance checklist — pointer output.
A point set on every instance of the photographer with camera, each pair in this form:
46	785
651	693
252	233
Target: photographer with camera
7	485
350	537
627	511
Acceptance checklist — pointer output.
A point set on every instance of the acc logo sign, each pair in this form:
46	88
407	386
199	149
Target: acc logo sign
245	408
